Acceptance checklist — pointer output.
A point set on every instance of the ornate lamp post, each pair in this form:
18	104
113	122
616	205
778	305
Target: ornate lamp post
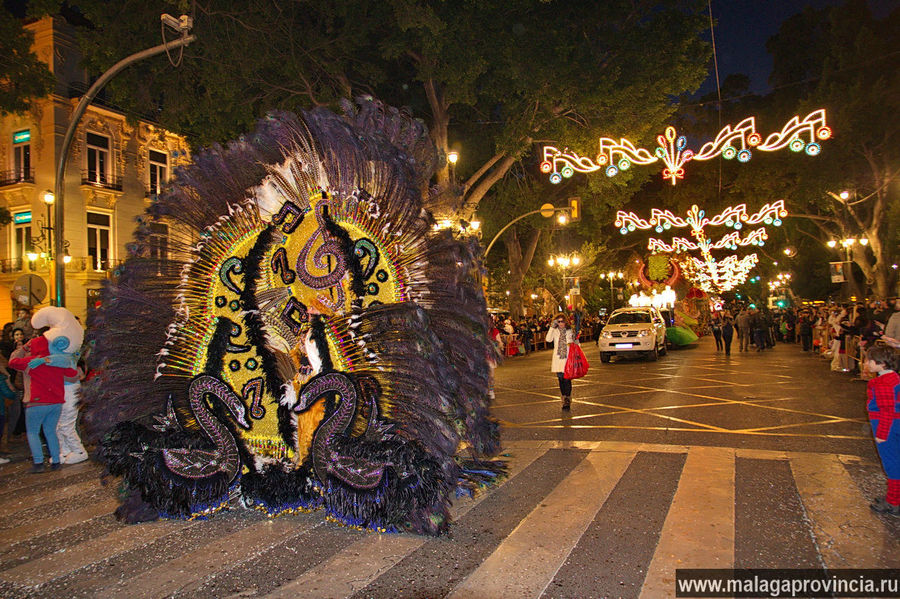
612	276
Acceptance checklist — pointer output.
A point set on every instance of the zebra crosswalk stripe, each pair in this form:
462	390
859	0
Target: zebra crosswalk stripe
52	566
699	529
365	560
541	532
847	533
182	573
529	557
37	498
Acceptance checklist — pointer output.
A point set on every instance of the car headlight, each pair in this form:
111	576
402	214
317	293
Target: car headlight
643	332
606	334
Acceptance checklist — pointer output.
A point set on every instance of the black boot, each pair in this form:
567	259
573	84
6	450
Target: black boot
567	402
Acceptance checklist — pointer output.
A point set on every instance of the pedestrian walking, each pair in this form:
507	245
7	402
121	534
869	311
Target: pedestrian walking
743	327
716	325
882	392
727	334
561	335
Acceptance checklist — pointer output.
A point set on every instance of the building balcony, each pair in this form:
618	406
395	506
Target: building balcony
14	177
85	264
101	181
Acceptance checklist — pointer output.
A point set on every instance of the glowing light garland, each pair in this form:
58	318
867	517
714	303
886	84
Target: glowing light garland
731	142
709	274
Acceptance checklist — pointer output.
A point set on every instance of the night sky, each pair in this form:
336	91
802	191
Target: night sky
744	26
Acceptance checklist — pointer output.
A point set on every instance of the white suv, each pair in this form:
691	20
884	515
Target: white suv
631	330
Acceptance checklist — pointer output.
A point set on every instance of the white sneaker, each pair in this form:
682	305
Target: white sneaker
76	457
4	461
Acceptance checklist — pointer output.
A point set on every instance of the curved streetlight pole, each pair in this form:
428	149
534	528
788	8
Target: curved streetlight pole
514	221
86	99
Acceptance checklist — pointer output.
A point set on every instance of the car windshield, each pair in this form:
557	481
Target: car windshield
629	318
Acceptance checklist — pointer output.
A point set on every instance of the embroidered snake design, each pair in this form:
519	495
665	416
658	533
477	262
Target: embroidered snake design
201	463
356	472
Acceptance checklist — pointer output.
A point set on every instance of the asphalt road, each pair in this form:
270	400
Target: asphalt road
779	399
696	461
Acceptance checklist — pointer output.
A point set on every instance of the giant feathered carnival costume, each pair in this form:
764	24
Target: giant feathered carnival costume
309	341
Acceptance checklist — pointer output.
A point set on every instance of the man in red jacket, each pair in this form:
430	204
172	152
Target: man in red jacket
43	401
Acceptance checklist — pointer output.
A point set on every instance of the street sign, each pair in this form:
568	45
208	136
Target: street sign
29	290
548	210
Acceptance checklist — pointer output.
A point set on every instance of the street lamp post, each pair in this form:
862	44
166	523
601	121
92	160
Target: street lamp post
563	262
183	25
612	276
848	243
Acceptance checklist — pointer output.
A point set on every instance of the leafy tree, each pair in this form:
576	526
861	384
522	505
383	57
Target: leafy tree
24	78
490	76
848	64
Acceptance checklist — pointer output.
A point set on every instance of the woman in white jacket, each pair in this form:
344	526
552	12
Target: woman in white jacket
561	335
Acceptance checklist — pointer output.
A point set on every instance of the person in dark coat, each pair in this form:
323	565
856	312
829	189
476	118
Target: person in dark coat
727	334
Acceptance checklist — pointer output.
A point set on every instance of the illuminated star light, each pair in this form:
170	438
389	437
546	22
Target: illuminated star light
731	142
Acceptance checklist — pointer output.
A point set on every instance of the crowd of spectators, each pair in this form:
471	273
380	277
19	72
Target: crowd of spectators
15	420
840	333
525	335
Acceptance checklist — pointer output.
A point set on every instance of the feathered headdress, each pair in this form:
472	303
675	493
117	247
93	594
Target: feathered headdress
310	340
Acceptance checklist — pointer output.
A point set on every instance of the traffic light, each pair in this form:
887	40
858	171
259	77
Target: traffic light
574	209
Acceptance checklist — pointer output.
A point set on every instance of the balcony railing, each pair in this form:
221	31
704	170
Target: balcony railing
101	180
18	176
77	264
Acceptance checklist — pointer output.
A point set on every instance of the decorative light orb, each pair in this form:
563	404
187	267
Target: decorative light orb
743	155
754	139
777	222
623	230
555	178
624	164
658	229
738	226
611	171
824	133
568	171
667	225
631	227
813	149
728	152
546	167
797	145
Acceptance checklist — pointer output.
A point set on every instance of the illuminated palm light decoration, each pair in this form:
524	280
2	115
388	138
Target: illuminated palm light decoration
731	142
707	273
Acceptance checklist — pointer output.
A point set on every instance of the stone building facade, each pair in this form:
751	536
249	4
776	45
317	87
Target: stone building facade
113	171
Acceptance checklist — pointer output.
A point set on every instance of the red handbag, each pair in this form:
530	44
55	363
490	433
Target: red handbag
576	363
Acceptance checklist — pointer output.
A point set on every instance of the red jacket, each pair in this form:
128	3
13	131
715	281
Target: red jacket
46	381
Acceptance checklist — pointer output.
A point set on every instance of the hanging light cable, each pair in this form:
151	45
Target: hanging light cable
712	35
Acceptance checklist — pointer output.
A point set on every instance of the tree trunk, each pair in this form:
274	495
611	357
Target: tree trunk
519	263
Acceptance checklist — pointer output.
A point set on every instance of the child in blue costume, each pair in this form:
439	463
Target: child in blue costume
883	414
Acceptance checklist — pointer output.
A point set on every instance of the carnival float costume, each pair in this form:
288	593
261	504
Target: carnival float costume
312	340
